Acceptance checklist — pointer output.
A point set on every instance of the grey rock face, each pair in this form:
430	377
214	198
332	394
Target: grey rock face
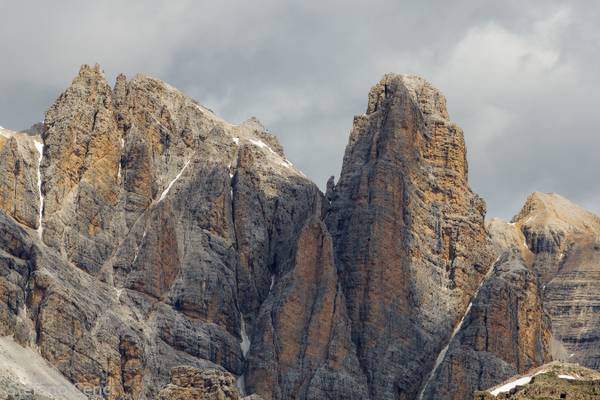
304	349
19	192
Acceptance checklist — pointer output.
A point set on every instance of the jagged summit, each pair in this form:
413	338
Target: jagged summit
426	97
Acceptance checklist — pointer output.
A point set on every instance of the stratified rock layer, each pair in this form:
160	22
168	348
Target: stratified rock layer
189	383
565	241
305	347
19	192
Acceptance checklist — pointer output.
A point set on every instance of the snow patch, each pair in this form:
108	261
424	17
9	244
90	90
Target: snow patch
245	343
287	164
511	385
166	191
245	347
262	145
569	377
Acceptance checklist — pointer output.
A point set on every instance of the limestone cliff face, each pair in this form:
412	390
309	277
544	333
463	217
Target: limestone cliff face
305	347
409	235
564	239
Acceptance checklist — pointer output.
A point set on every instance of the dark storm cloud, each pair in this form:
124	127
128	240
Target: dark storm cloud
520	77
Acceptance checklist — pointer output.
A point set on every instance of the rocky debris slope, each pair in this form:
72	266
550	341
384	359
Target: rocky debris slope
565	242
551	381
25	375
409	236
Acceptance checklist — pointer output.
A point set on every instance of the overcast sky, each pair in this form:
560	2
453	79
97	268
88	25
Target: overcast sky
522	78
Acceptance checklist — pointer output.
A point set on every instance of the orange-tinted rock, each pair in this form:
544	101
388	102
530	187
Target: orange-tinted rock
409	234
305	350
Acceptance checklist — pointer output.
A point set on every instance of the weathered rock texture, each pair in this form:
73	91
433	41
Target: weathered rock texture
409	236
189	383
305	347
506	330
565	241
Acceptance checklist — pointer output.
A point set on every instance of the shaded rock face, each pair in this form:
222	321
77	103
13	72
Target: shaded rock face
305	347
409	236
564	239
506	330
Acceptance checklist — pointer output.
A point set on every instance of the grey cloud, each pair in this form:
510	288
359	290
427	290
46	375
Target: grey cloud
520	78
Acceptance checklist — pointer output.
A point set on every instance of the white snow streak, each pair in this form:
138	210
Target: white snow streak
245	347
166	191
40	148
262	145
442	354
245	344
569	377
511	385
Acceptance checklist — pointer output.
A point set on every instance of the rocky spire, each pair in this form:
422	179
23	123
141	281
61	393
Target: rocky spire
408	233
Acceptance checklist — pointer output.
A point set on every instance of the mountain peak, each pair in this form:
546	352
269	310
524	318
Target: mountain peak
555	211
429	99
